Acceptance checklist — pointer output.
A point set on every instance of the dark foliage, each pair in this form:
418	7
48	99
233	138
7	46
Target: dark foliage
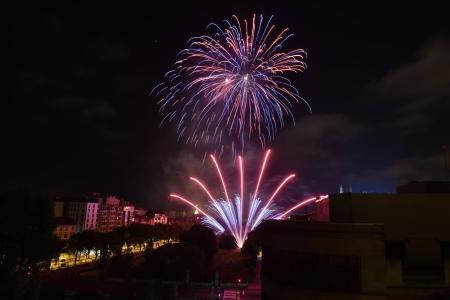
27	243
227	242
251	248
203	237
173	261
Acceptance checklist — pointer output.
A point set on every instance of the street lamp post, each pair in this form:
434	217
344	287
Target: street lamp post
237	288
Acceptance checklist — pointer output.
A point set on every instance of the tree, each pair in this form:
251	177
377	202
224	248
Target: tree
139	234
251	248
202	237
27	243
116	239
227	242
171	261
75	244
101	246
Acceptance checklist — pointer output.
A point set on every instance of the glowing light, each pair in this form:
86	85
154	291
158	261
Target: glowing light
241	171
303	203
230	85
260	216
221	177
231	214
208	217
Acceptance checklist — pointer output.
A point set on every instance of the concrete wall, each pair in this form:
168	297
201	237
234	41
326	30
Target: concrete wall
404	216
283	292
365	241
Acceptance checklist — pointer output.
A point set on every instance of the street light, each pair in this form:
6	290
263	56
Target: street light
237	287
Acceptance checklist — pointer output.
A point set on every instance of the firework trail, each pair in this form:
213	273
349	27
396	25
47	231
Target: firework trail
229	86
230	214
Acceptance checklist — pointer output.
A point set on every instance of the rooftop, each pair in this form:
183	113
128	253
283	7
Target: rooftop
425	187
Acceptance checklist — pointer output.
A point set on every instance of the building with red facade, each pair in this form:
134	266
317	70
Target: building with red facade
65	228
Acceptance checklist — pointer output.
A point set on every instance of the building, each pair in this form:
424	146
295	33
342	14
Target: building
92	211
368	246
128	215
110	214
65	228
172	214
83	210
138	212
95	212
425	187
157	218
114	212
312	260
183	219
58	208
149	217
185	223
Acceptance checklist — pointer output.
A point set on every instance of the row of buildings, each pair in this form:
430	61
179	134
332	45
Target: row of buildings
100	213
362	247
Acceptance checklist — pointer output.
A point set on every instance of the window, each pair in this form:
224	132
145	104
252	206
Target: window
445	249
422	261
394	249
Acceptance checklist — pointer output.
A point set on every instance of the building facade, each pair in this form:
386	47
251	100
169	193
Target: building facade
158	218
374	246
128	215
58	209
95	212
91	215
65	228
82	210
114	212
149	217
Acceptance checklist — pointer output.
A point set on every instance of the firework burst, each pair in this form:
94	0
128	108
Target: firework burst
241	214
229	86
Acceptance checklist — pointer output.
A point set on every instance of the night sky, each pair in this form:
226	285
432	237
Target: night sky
78	116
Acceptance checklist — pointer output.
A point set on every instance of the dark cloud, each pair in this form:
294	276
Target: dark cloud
84	109
315	128
319	149
184	164
110	51
415	168
412	168
418	92
177	170
319	135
